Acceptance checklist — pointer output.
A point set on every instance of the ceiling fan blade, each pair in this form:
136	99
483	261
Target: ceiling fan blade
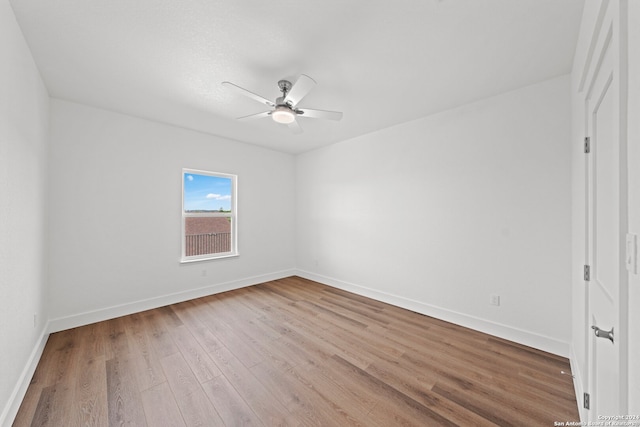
319	114
255	116
299	90
295	127
249	94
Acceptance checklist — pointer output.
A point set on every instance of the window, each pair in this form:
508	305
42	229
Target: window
209	226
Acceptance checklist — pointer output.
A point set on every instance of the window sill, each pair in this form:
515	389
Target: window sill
209	258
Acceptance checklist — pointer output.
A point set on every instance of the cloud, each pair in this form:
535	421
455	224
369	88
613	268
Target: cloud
218	196
190	177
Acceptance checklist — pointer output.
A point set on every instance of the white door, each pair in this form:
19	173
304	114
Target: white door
606	220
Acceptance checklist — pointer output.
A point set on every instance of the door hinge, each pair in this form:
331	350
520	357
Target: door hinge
587	273
587	145
586	400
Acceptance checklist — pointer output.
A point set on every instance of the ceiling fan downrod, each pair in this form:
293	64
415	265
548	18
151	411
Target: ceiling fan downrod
285	87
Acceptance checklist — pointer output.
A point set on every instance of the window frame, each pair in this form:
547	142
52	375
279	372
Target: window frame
233	215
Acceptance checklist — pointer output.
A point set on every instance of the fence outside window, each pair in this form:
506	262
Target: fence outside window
211	243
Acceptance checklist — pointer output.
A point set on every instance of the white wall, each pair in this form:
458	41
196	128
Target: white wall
439	213
24	104
115	196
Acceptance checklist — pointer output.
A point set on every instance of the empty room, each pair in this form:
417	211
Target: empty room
221	213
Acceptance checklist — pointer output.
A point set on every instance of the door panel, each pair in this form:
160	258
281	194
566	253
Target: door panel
605	194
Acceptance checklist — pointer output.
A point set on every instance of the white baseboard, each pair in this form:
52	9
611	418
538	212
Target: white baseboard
510	333
10	410
106	313
578	384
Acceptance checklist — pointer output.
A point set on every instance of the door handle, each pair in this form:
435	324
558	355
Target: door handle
603	334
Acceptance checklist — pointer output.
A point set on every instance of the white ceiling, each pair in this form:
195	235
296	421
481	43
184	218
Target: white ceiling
379	62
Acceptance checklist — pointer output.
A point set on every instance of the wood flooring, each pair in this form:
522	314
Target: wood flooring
292	352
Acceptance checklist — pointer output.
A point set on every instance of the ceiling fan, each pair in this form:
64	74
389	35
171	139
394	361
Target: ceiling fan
284	109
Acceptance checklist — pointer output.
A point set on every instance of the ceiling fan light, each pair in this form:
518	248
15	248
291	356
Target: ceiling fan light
283	114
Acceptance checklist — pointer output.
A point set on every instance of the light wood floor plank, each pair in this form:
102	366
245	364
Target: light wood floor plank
231	407
195	407
333	375
270	411
89	394
339	397
123	397
160	407
195	322
198	360
406	410
158	333
52	409
146	361
301	399
115	343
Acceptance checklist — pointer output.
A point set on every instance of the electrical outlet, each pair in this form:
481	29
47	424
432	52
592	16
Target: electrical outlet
204	273
495	299
35	320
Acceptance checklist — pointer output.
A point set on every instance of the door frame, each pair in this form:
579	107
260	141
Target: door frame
611	22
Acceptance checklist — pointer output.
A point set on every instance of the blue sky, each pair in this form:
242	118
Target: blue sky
204	192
